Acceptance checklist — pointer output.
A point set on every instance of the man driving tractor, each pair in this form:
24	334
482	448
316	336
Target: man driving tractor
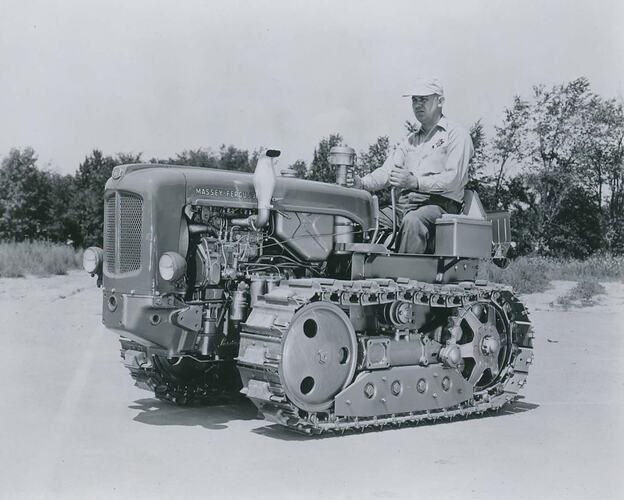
429	167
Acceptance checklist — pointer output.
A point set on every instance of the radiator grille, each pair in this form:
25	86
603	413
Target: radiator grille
123	219
131	211
110	241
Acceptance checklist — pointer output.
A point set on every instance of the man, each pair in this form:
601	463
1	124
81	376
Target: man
429	167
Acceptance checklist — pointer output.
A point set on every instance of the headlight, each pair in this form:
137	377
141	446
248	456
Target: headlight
171	266
117	172
92	259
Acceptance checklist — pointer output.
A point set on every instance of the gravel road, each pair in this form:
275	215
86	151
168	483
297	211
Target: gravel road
73	425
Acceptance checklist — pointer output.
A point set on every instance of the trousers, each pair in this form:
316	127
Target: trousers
417	232
417	224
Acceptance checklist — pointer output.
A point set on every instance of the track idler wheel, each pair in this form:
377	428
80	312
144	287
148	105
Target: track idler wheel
319	356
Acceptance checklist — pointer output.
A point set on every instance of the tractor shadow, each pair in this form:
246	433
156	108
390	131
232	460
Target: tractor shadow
518	406
213	416
275	431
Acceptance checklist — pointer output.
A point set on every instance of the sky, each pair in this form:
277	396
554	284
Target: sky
159	77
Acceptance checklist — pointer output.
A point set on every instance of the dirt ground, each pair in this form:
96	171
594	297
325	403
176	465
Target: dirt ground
73	425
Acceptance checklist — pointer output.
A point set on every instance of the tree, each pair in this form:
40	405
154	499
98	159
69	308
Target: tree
61	224
479	157
562	142
374	158
478	178
128	158
232	158
509	139
561	116
411	127
320	169
227	158
601	155
192	157
573	230
300	169
22	197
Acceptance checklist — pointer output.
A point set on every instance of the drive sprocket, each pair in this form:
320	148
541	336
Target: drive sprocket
482	333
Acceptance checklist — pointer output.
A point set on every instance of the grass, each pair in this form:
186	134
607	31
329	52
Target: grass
38	258
533	274
582	294
598	267
525	275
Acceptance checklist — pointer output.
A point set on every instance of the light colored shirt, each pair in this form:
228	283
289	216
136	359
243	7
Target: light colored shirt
438	159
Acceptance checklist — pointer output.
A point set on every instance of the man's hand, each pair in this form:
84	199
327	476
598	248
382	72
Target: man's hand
403	178
354	181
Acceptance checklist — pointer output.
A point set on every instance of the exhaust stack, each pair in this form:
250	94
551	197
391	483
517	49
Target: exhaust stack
264	185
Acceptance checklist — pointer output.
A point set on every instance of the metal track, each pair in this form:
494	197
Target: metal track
263	334
204	382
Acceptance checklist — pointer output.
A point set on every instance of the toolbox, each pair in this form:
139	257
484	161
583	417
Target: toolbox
463	236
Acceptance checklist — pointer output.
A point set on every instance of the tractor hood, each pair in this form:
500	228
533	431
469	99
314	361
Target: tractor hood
236	189
226	188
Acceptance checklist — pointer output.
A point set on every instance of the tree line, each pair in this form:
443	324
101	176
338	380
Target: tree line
555	161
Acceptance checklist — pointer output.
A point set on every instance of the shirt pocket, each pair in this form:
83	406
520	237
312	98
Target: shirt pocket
435	160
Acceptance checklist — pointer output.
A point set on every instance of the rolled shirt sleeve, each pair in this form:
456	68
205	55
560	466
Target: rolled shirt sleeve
380	177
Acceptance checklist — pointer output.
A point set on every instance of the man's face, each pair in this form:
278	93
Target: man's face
425	107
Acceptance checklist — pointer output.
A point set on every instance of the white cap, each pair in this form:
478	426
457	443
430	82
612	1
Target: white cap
425	86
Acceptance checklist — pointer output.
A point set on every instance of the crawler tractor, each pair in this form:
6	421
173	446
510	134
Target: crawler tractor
289	291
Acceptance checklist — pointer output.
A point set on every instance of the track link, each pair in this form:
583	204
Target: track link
265	329
202	382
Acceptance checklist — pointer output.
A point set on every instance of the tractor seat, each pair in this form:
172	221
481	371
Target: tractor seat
472	205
